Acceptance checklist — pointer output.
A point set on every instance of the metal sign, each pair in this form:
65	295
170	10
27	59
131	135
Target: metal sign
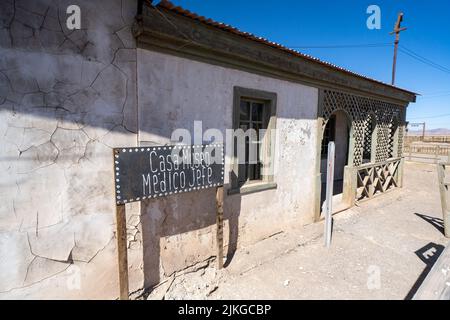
150	172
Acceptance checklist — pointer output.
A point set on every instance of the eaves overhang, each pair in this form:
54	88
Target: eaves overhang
174	30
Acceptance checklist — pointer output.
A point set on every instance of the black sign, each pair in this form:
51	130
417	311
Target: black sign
150	172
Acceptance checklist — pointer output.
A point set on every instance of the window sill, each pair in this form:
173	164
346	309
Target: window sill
253	187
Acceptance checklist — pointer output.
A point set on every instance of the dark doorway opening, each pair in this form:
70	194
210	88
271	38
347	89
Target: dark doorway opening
337	129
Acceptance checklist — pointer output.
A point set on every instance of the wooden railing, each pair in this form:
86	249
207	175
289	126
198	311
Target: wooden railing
436	139
428	152
377	178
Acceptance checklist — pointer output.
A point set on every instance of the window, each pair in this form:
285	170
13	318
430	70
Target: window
253	149
251	117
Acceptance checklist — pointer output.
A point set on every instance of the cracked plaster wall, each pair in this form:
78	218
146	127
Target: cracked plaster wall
66	98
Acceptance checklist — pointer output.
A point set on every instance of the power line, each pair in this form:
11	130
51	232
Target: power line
424	60
433	93
434	96
432	117
339	46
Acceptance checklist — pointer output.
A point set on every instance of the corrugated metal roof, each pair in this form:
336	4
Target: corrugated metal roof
184	12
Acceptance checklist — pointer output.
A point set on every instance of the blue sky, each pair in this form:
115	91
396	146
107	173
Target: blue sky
330	23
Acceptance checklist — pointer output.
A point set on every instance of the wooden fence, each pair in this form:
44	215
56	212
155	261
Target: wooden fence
375	178
435	139
426	152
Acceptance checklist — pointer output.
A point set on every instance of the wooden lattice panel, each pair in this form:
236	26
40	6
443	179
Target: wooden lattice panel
367	137
359	108
401	135
383	143
376	179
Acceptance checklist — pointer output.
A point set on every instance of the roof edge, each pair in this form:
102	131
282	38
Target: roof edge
169	23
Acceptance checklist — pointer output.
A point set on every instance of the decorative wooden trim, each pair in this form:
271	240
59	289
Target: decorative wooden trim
377	178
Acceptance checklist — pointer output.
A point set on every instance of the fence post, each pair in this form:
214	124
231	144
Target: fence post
436	153
444	190
399	173
350	186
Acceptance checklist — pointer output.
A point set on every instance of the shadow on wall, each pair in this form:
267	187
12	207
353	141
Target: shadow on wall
66	97
174	239
75	77
429	255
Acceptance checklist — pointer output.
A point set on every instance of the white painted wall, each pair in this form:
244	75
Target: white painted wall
173	92
66	99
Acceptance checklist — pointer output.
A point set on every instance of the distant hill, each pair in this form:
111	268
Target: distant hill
431	132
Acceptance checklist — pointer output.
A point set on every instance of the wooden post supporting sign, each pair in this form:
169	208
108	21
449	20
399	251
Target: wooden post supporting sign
121	235
142	173
219	224
122	253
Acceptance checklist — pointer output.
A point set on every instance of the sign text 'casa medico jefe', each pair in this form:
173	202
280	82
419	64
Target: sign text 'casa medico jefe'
149	172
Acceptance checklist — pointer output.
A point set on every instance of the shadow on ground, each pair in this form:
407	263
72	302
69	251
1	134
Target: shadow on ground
429	255
435	222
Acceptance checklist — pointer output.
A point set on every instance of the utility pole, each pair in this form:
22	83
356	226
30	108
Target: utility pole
423	124
397	30
423	131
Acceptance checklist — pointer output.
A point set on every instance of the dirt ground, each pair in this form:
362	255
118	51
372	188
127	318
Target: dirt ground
381	249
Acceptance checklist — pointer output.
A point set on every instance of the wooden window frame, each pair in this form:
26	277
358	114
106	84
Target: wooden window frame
269	99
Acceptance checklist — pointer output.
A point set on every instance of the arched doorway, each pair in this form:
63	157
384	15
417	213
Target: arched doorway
339	130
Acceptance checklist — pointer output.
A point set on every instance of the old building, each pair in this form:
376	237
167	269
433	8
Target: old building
131	76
